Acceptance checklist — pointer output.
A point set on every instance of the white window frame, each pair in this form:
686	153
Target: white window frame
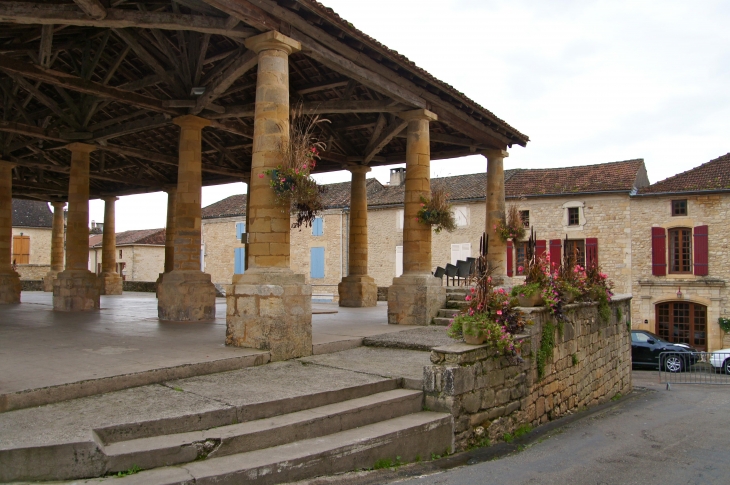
580	205
400	218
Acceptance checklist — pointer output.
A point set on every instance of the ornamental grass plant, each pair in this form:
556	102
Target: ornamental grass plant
437	211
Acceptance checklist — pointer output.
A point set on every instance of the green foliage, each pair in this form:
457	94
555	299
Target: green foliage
619	314
481	325
545	352
131	471
388	463
527	290
574	359
418	458
724	324
434	456
617	397
178	389
437	212
508	437
512	227
522	430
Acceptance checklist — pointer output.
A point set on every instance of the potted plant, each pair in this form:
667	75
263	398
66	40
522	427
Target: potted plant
437	211
512	227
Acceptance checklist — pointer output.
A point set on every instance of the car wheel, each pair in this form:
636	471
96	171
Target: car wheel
726	366
673	363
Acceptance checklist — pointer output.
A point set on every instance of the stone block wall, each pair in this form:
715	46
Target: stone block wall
491	395
40	243
145	263
219	239
334	240
33	272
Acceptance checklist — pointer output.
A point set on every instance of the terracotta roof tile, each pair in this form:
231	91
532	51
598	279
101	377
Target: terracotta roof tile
31	213
713	175
232	206
154	237
604	177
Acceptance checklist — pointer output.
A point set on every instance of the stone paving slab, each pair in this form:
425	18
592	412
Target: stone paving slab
421	338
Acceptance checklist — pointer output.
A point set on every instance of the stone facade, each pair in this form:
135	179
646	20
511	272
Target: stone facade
491	395
40	243
710	291
219	244
141	262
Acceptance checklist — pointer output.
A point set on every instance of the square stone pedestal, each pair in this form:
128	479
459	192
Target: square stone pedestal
185	296
415	299
111	283
48	280
270	310
76	291
358	291
9	288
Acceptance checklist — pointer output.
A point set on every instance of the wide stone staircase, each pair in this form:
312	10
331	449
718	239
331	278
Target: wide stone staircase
277	423
455	303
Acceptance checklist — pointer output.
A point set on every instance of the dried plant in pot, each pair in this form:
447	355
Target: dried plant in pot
291	180
437	211
512	227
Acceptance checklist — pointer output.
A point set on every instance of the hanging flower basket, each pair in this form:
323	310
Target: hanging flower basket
437	212
512	227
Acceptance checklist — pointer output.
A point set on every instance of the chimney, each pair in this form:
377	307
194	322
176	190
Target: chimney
397	176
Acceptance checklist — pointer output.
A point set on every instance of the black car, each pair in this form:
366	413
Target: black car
646	347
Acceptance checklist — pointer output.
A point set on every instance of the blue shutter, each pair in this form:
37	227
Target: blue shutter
316	263
239	259
317	227
240	229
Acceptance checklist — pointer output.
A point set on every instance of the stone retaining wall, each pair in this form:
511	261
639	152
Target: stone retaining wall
31	285
144	286
490	396
33	272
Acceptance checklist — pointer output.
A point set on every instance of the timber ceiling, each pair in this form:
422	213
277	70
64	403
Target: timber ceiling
114	73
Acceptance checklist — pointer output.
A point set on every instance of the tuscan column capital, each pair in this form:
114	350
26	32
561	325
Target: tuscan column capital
59	205
80	147
191	121
359	169
110	198
495	153
418	115
272	40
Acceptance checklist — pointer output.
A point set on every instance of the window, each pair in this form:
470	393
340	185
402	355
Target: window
459	252
461	214
317	226
679	207
21	249
398	261
680	250
316	262
120	254
521	257
682	323
576	249
525	218
239	260
399	219
573	216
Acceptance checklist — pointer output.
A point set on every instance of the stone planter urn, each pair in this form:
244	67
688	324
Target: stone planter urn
530	301
473	335
567	297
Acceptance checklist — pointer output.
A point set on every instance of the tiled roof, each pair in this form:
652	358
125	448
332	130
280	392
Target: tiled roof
604	177
234	205
31	213
713	175
155	237
460	97
338	195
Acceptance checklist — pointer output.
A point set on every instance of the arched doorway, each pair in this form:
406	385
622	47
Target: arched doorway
682	322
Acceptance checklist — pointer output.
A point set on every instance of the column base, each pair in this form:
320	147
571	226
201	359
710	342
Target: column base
415	299
9	288
358	291
111	283
270	310
48	280
185	296
76	291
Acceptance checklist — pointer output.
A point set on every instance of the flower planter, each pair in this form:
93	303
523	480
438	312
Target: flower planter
530	301
473	335
567	297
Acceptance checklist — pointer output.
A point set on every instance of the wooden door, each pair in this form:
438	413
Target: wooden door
21	249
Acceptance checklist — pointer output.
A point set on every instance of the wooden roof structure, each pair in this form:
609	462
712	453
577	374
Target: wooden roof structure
114	73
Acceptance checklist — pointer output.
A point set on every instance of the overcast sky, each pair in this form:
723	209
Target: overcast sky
588	81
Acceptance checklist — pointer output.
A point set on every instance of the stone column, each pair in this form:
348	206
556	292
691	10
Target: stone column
110	280
170	230
186	293
57	239
76	288
357	289
9	279
416	296
270	307
497	252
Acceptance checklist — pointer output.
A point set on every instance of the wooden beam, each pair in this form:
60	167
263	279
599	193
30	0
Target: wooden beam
132	127
44	52
74	83
92	8
336	106
375	146
320	87
453	140
38	13
215	89
442	155
29	130
48	102
67	170
231	128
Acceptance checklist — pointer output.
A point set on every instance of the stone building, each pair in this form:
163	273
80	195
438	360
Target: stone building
31	244
680	257
140	254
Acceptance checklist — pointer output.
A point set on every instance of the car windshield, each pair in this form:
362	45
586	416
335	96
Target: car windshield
650	335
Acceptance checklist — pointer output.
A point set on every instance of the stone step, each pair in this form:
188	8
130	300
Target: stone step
457	305
411	437
442	322
159	451
447	313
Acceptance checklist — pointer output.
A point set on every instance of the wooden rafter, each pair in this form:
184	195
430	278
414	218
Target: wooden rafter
336	106
92	8
375	146
215	89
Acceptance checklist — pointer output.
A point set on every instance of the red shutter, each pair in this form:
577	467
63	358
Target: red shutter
540	246
658	251
701	250
510	271
591	251
556	253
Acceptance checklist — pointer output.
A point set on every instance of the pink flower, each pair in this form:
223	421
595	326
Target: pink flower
468	297
261	175
520	269
473	289
499	312
489	279
471	311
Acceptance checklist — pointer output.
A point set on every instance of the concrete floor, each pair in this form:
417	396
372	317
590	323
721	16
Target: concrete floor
40	348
